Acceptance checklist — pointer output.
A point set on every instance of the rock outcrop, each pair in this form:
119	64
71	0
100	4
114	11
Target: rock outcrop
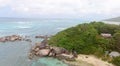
42	50
67	57
10	38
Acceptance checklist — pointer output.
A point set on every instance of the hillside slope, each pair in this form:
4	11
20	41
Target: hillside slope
117	19
86	39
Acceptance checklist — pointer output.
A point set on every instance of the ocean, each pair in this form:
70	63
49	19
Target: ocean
16	53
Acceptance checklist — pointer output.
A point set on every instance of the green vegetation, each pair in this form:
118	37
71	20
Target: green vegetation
86	39
117	41
116	61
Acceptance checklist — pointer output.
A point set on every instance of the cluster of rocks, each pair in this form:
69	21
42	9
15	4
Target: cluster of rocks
10	38
43	50
18	37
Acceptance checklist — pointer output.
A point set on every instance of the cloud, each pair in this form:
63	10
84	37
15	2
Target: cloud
64	7
4	3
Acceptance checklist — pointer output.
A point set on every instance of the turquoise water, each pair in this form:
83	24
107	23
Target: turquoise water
15	53
48	62
35	26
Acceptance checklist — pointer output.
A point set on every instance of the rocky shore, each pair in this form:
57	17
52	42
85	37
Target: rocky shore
44	50
10	38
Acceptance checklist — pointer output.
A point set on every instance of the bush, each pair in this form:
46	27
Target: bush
117	41
116	61
85	38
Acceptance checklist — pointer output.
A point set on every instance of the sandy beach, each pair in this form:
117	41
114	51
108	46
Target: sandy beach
88	60
93	60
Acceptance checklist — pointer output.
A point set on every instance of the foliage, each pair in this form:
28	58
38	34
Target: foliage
86	39
116	61
117	41
105	28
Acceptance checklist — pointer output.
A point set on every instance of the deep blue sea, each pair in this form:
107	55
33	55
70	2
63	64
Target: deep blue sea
15	53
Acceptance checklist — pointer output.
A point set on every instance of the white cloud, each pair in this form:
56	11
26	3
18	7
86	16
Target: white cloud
65	7
4	3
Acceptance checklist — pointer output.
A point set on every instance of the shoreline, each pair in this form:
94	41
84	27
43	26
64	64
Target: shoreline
90	59
81	60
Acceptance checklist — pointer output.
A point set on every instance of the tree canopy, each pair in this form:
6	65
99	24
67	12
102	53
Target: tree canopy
85	38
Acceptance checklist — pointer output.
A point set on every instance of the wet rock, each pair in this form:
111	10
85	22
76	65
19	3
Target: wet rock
3	39
7	38
39	36
37	49
30	55
10	38
14	38
43	49
51	52
33	47
43	52
28	40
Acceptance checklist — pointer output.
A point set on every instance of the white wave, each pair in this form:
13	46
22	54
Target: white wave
21	22
23	26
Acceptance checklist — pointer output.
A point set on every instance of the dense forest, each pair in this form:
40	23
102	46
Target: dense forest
86	39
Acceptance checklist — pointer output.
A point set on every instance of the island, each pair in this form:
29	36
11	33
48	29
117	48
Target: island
95	38
95	43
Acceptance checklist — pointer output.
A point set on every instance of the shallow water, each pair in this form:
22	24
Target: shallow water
48	62
15	53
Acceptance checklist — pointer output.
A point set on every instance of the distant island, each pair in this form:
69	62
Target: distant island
117	19
95	38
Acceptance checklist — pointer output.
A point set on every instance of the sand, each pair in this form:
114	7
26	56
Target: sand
93	60
88	60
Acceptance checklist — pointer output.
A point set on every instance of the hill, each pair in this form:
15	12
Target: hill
117	19
86	38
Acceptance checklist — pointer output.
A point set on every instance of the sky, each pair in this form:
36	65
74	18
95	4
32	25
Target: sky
79	9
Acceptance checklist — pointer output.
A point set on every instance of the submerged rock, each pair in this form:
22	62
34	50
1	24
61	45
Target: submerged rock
30	55
39	36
